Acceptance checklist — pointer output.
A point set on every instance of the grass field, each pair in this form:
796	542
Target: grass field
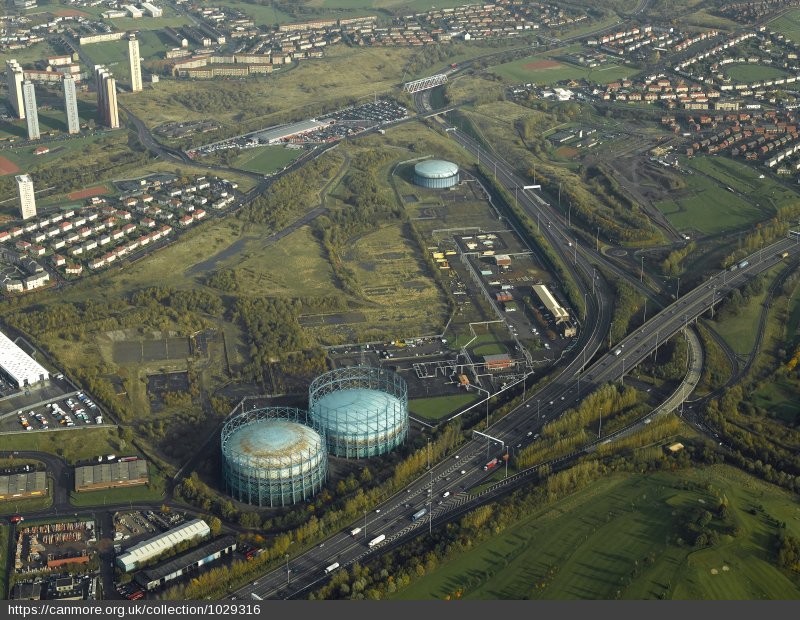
346	74
27	505
438	407
73	445
529	70
266	159
305	270
779	396
788	24
4	546
748	73
745	179
708	208
619	539
117	496
740	331
490	349
25	159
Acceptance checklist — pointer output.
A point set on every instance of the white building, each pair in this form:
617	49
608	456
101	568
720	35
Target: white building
18	366
149	549
31	113
14	79
133	11
152	10
136	64
71	105
27	201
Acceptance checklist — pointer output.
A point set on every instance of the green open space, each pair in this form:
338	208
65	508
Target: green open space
753	72
59	151
622	538
740	331
490	349
5	539
169	18
266	159
306	89
72	445
524	70
745	179
32	504
708	208
262	14
788	24
437	407
143	493
779	396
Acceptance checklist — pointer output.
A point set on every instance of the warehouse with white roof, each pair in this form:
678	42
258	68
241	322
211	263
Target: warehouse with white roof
17	366
149	549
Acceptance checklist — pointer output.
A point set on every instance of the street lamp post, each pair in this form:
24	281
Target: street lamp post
287	569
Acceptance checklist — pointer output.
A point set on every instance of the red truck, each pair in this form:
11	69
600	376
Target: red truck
16	519
490	464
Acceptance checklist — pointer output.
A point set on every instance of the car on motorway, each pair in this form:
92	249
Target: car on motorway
463	471
530	433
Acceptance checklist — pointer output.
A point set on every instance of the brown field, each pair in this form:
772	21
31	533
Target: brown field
542	64
98	190
566	151
7	166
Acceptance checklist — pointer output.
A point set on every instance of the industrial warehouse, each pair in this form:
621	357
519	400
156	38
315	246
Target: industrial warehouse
21	486
19	367
111	475
185	563
147	550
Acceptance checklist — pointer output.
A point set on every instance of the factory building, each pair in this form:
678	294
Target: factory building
155	546
185	563
111	475
17	366
500	361
22	486
553	307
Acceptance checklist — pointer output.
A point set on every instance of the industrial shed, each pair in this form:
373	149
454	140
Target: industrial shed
185	563
553	307
111	475
18	366
20	486
153	547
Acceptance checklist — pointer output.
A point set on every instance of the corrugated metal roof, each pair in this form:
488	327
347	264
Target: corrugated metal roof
20	366
148	549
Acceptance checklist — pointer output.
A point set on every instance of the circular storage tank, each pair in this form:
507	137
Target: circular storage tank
363	410
273	456
436	174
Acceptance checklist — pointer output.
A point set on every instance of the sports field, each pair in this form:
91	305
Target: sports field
266	159
622	538
438	407
539	70
748	73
